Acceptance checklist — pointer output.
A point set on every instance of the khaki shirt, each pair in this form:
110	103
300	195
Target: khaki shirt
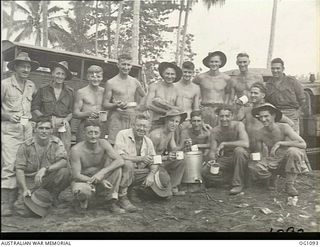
14	100
125	144
28	157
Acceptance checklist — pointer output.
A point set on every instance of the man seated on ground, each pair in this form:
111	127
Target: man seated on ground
137	150
285	149
228	146
164	142
41	163
96	168
196	132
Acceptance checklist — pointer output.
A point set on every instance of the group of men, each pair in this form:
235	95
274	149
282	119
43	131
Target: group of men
228	115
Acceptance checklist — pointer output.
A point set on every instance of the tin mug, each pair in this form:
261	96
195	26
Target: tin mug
62	129
194	148
179	155
244	99
24	120
214	169
255	156
102	116
157	159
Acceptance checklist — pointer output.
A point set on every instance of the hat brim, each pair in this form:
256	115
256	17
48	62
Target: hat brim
34	64
68	72
222	56
38	210
183	116
255	111
162	192
164	65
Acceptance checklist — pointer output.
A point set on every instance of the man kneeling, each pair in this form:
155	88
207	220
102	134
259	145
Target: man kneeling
41	168
229	142
285	149
96	168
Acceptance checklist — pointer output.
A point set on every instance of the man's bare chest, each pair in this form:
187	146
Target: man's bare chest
217	83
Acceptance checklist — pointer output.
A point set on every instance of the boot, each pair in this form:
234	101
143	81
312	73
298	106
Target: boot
115	208
127	205
9	197
177	192
236	190
290	179
272	182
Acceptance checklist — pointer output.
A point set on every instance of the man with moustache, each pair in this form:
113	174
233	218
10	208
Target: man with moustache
119	98
242	82
163	95
286	149
214	85
137	150
165	144
88	100
16	96
228	146
285	93
56	101
96	168
41	164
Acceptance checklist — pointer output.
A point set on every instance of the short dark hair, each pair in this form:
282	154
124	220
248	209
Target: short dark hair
124	56
91	122
196	113
242	54
142	116
277	60
224	107
188	65
260	86
43	119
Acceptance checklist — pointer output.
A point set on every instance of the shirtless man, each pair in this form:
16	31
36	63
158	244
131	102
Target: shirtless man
253	125
96	168
164	92
243	80
88	100
228	146
286	149
119	91
163	140
214	86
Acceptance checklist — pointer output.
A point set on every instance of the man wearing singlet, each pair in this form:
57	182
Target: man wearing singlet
229	142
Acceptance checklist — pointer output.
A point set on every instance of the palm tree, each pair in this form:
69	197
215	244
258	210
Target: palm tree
45	22
116	43
8	19
33	24
135	31
179	31
209	4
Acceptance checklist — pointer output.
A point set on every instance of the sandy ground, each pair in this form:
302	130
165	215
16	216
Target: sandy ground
195	212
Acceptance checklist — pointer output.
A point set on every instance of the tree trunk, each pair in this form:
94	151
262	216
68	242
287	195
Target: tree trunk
135	31
179	32
45	23
272	32
109	29
116	42
97	24
184	32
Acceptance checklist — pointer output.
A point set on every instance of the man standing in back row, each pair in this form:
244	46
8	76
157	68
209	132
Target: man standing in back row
119	98
16	96
214	86
285	93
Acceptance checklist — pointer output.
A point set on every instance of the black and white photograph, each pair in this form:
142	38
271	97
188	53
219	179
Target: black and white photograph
160	116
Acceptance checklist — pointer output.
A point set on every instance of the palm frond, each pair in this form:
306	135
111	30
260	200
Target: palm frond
54	9
22	9
212	3
25	33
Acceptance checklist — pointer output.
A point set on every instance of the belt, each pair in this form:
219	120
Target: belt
212	104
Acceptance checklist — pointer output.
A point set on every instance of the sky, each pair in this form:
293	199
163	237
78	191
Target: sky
244	26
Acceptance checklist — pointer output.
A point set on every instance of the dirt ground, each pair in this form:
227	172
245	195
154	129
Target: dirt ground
195	212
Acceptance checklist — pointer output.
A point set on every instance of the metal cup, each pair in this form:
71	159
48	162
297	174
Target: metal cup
194	148
244	99
103	116
62	129
24	120
179	155
255	156
157	159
